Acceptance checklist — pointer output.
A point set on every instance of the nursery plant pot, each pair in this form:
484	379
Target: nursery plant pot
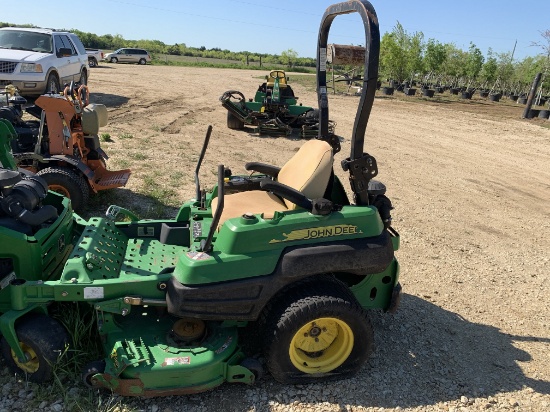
409	91
428	92
522	100
483	93
495	97
440	89
466	95
542	102
454	91
533	113
388	91
544	114
513	97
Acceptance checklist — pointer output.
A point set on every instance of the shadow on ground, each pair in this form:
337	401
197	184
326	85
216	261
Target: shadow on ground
109	100
145	207
445	355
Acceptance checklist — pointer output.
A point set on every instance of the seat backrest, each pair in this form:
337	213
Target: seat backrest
309	170
94	116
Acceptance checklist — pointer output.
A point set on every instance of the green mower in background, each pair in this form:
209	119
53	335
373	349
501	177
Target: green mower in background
282	252
274	109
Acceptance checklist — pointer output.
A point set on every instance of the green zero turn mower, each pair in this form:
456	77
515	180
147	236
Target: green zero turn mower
282	251
274	110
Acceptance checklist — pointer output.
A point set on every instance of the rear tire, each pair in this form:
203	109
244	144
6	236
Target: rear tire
142	61
43	340
315	332
67	183
233	122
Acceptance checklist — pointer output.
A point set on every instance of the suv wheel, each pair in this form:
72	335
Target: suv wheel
114	60
142	61
52	84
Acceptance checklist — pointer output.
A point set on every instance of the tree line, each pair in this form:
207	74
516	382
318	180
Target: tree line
408	56
109	42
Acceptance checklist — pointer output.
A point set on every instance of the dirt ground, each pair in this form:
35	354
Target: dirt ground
471	188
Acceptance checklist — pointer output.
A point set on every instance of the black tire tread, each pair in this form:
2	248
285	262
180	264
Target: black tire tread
75	183
50	76
47	337
308	297
233	122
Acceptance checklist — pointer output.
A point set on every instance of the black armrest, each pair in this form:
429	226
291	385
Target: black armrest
287	192
263	168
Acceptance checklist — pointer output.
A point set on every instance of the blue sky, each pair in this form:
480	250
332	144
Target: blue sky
274	26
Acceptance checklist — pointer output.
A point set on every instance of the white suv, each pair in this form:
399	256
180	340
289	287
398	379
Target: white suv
38	61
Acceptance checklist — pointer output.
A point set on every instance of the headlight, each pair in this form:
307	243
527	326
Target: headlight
31	68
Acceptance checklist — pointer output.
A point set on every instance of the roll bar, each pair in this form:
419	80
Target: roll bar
362	166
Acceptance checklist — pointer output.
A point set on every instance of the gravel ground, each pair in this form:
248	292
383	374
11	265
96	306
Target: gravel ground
471	191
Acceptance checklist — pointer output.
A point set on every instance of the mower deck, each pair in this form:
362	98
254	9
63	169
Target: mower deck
155	355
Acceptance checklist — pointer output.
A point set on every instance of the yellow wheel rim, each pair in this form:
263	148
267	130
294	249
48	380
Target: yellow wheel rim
321	345
32	364
59	189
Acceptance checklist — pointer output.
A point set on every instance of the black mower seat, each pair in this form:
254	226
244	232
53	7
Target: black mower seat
308	172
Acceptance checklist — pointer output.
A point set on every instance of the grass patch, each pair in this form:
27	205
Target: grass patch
152	188
126	136
189	61
122	163
138	156
105	137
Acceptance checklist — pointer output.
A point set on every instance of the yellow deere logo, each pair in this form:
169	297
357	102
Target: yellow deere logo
318	232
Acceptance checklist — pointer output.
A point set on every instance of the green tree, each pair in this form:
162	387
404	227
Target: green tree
505	71
435	56
393	53
489	69
288	57
414	53
545	46
455	63
474	62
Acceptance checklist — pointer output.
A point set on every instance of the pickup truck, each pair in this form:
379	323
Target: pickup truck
94	57
37	61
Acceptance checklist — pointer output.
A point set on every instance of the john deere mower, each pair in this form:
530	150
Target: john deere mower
37	228
282	252
63	146
274	110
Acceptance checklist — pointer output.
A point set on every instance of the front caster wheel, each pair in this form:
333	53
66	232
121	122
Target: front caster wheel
254	366
90	370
